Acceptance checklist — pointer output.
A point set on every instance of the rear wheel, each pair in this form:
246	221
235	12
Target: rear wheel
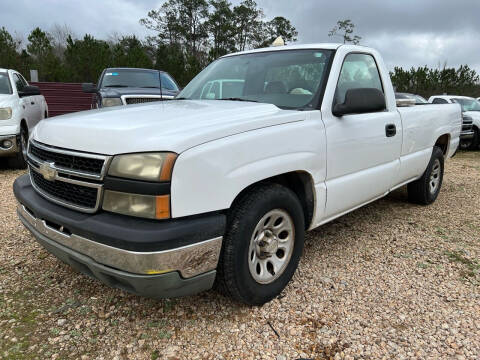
19	161
262	245
425	190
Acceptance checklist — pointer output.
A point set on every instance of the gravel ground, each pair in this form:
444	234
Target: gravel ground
391	280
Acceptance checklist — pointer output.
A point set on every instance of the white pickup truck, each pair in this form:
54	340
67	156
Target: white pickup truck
470	136
172	198
21	108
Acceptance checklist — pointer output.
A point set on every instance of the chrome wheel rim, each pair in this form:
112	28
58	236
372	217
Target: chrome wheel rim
435	176
271	246
23	140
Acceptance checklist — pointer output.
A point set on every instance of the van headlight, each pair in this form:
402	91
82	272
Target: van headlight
5	113
152	167
106	102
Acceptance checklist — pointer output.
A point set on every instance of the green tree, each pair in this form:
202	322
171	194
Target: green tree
221	28
85	59
8	52
249	26
427	81
130	52
279	26
43	58
345	29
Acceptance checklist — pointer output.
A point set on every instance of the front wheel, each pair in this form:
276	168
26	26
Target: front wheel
425	190
262	246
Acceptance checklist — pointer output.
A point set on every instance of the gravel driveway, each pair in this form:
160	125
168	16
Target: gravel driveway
390	280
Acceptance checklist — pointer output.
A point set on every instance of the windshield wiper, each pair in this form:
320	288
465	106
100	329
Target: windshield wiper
237	99
113	86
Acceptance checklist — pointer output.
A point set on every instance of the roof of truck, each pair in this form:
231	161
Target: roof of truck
327	46
448	97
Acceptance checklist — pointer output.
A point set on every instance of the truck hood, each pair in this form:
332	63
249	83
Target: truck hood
475	115
164	126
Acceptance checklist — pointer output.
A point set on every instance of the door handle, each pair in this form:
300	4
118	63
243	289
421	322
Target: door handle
390	130
32	102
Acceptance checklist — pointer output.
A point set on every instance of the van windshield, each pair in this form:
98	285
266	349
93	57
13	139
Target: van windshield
289	79
5	87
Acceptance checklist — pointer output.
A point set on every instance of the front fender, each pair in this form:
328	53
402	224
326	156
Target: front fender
208	177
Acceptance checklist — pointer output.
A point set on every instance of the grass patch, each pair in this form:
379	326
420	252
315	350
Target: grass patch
471	267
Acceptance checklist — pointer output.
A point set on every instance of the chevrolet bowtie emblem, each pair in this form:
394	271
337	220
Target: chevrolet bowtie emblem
48	171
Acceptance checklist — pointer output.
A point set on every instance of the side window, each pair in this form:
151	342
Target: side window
439	101
167	82
25	82
19	82
358	71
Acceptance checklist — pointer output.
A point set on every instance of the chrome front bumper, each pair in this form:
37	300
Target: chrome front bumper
464	135
11	150
189	261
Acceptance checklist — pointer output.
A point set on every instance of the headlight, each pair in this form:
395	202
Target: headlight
146	167
106	102
5	113
146	206
154	167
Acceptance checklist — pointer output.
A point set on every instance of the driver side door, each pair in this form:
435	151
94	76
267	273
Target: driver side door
362	155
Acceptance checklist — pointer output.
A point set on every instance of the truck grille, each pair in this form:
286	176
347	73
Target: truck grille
76	195
69	178
67	161
141	100
467	124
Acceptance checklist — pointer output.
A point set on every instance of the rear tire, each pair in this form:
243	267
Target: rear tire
425	190
262	246
19	161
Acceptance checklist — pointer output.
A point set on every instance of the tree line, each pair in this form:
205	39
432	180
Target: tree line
430	81
187	35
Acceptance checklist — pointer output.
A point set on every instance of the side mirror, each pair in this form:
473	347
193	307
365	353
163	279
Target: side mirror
89	88
29	90
362	100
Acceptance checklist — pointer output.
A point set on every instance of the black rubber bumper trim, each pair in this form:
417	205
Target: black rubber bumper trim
136	186
121	231
153	286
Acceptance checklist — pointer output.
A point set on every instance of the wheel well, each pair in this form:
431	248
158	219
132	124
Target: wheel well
300	182
23	124
442	142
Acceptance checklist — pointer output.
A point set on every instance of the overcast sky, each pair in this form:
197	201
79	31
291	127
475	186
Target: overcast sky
407	32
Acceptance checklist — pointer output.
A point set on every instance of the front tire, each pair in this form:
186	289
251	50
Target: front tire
425	190
262	246
19	161
475	142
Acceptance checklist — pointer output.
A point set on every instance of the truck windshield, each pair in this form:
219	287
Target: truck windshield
288	79
136	78
468	104
5	87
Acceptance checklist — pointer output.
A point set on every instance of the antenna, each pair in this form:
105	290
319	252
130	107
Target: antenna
160	81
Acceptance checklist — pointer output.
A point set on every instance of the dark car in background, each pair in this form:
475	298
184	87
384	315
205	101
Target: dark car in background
126	86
